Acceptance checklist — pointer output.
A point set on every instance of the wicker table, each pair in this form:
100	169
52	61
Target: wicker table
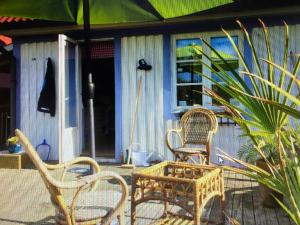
13	161
186	185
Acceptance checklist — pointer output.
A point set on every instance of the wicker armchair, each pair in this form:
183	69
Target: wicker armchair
197	128
86	204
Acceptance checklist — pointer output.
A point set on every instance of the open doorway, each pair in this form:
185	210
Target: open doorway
7	102
102	66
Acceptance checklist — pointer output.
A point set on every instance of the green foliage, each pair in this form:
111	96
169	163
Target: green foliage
249	154
265	113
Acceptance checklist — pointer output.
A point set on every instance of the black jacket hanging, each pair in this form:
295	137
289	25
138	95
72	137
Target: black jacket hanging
47	99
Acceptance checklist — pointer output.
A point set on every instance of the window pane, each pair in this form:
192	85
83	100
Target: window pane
186	95
189	72
70	86
221	93
185	49
226	50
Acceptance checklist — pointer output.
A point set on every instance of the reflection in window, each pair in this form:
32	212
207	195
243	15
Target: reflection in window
188	72
226	50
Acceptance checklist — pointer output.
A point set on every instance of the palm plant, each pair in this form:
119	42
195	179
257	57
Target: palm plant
268	106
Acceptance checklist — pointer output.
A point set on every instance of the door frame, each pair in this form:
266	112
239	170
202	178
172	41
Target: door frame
61	96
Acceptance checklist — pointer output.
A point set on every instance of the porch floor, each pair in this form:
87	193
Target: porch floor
25	200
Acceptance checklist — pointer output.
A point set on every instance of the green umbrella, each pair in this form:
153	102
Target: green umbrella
106	11
175	8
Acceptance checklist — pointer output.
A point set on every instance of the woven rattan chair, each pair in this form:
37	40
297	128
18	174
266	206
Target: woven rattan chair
79	207
197	129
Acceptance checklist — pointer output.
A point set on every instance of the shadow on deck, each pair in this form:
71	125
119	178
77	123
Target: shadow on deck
25	200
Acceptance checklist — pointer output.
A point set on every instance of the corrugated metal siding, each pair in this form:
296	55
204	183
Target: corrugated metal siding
277	40
34	124
149	130
151	126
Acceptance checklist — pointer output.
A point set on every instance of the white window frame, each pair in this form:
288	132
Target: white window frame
206	101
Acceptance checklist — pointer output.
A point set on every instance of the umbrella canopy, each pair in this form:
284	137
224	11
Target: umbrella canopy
175	8
54	10
104	11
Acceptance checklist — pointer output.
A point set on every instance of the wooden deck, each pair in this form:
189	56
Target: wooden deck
25	200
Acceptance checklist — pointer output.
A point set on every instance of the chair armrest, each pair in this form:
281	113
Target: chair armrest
92	179
168	136
88	180
77	160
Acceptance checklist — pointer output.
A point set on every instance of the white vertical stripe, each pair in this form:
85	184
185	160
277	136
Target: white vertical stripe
34	124
149	131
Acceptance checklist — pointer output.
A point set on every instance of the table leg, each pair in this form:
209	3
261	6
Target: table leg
133	204
222	197
166	204
197	211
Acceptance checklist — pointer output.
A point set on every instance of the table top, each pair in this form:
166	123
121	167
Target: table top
177	170
6	152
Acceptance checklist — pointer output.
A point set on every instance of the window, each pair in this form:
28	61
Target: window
187	68
188	73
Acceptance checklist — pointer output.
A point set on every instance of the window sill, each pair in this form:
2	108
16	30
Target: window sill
183	109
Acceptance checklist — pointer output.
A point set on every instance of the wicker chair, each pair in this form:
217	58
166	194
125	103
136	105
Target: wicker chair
80	207
197	128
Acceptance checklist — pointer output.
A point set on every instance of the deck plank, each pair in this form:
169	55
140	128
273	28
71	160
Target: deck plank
248	210
229	183
18	187
237	212
271	216
282	217
259	215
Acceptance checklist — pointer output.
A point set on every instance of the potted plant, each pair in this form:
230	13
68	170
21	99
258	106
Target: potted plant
249	154
13	145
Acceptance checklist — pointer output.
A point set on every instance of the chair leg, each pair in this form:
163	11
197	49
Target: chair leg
175	157
200	159
207	160
121	219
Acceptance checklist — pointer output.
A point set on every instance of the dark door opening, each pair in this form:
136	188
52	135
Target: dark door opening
102	66
6	97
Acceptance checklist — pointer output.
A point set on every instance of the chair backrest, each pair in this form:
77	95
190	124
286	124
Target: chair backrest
33	155
197	124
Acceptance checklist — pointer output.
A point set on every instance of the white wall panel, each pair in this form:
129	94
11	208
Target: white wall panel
149	130
37	125
277	45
